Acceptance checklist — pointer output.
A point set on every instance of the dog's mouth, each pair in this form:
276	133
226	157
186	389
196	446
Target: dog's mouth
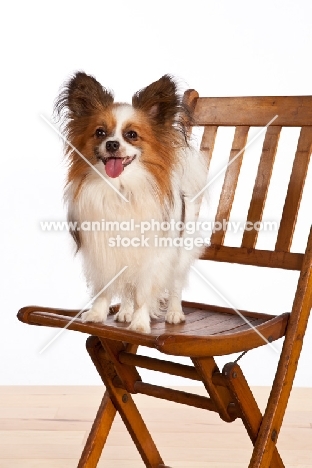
114	166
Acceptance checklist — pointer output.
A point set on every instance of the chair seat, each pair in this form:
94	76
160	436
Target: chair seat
207	331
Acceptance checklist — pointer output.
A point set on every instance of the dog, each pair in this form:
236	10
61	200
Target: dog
131	166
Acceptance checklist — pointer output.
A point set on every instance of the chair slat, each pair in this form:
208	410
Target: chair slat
230	182
261	184
293	111
256	257
295	189
208	142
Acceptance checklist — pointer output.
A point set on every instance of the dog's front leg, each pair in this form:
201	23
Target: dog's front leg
99	310
175	313
126	309
141	317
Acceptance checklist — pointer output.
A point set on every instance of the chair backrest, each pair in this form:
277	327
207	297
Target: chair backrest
272	113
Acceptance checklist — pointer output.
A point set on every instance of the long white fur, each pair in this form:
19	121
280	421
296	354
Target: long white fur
150	270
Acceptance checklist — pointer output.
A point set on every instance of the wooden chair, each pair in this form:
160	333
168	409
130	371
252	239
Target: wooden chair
210	330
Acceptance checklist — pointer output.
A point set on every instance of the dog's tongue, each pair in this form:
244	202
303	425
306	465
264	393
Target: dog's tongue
114	167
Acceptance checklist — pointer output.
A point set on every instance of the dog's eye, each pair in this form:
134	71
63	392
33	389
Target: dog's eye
100	133
132	135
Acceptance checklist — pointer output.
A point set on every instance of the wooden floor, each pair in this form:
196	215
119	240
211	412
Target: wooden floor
46	427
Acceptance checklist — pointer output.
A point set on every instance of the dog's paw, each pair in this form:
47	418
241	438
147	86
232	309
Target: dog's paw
94	315
141	325
124	315
175	316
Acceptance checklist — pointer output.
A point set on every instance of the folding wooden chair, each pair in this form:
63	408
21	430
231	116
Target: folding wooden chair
210	330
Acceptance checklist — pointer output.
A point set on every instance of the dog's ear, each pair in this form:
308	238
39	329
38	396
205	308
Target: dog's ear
81	96
160	100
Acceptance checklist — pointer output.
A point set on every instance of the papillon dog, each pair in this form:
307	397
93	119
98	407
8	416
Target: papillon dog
131	166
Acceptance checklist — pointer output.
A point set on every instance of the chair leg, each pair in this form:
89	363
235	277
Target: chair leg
124	404
206	368
98	435
287	366
247	408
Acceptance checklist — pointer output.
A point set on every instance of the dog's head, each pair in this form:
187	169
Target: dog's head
116	136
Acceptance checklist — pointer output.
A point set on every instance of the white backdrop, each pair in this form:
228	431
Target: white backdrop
220	48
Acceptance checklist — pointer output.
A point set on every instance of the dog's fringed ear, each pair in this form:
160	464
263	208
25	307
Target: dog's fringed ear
81	96
160	100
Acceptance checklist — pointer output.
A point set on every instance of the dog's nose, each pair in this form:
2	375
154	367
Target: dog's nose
112	146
